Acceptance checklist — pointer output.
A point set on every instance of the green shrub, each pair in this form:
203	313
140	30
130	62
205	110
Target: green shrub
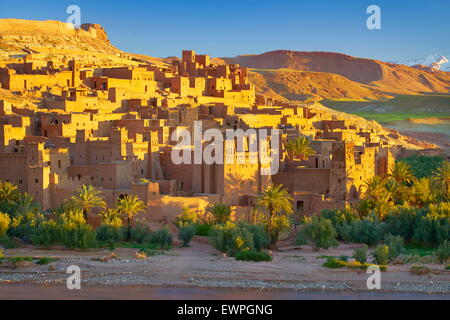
447	267
23	226
340	220
433	224
45	260
47	233
360	254
280	224
80	236
161	239
252	256
139	232
260	236
219	212
2	254
334	263
149	252
319	232
401	222
203	230
19	259
5	220
110	233
443	252
76	232
185	234
357	265
365	231
7	243
229	238
381	255
396	246
187	217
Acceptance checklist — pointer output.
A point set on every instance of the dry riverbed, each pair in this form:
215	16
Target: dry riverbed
293	269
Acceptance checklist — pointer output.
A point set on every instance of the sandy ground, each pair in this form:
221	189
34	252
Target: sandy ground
201	266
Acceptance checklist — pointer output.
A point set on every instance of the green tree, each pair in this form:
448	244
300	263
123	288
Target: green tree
220	212
363	207
423	166
185	234
277	202
422	193
375	188
319	232
129	207
5	221
378	196
110	217
441	180
86	198
8	192
25	204
401	173
299	148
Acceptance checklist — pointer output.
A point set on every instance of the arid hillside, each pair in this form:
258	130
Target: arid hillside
360	78
57	40
309	85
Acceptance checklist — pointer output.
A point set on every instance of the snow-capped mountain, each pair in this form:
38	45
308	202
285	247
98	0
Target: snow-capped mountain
436	61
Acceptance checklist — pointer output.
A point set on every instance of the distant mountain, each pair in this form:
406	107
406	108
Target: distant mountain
435	61
294	74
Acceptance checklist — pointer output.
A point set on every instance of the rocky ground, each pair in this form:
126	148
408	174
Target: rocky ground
200	266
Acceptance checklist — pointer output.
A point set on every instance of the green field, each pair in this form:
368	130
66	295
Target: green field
400	108
390	117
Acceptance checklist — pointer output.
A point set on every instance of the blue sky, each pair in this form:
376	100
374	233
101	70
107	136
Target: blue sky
410	29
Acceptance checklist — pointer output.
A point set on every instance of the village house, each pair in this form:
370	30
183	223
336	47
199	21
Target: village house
111	127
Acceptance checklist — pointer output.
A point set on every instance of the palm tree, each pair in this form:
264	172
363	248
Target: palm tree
129	207
25	204
422	193
276	201
383	205
110	216
299	148
8	192
401	173
86	198
375	188
363	207
378	197
221	212
441	180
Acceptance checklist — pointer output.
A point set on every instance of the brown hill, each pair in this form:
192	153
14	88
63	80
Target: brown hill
380	79
308	85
